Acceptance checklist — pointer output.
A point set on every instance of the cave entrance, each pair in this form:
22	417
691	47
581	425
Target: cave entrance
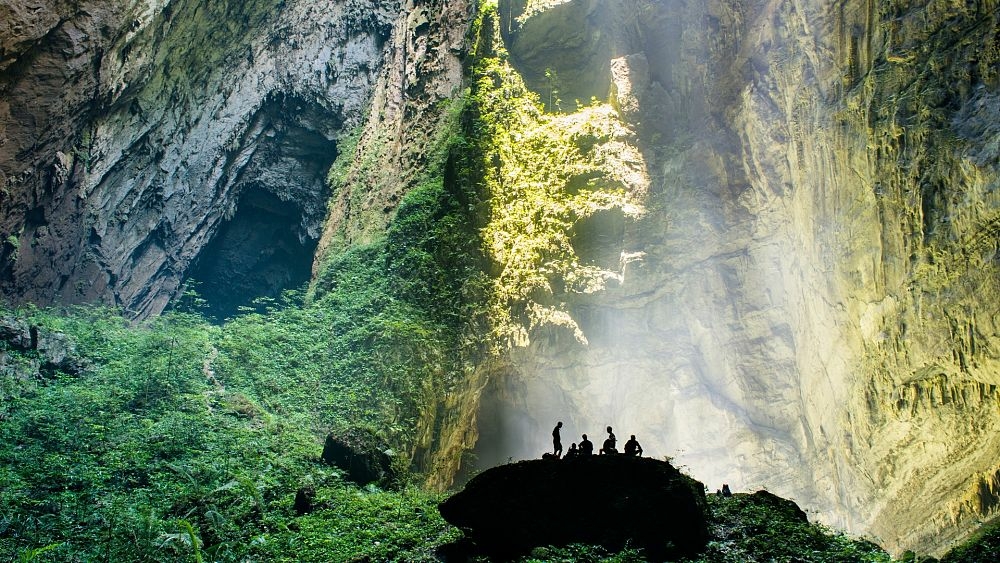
258	253
269	243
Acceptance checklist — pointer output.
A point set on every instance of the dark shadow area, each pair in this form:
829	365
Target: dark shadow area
504	429
599	238
258	253
612	501
561	53
269	243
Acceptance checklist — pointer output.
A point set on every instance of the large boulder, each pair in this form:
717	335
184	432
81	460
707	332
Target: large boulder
49	351
604	500
362	456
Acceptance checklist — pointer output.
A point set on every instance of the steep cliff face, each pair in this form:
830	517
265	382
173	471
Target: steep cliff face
140	139
803	300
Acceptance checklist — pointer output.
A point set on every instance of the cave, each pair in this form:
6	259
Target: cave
268	244
258	253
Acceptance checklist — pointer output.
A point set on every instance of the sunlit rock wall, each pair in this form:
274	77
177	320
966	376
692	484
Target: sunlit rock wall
131	131
808	302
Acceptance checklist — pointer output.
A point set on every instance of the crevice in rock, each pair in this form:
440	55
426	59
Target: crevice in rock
503	427
598	239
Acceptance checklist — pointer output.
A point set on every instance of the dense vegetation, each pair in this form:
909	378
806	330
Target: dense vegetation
183	440
180	442
157	453
545	175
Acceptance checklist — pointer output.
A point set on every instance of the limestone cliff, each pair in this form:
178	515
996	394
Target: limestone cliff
805	300
768	249
141	140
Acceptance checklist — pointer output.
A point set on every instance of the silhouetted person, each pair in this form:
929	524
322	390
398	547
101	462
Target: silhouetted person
556	441
572	452
632	447
725	491
586	447
609	443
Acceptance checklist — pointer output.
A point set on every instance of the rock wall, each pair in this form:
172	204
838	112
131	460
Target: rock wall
131	133
410	118
805	303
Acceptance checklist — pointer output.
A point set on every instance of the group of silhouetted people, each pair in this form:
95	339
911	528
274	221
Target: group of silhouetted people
586	447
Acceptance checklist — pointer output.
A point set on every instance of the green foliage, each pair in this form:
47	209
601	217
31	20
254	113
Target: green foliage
543	176
746	530
169	449
579	553
29	555
187	441
983	547
13	243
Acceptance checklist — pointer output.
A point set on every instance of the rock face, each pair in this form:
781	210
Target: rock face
141	139
42	352
604	500
807	301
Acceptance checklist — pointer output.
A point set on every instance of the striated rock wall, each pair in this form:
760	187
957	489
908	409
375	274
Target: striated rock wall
132	132
805	303
404	141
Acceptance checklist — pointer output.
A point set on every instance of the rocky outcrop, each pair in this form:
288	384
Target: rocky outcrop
40	352
362	456
611	501
133	137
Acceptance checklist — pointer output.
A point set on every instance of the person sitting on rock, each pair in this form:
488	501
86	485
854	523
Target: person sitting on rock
572	452
609	443
586	447
556	440
632	447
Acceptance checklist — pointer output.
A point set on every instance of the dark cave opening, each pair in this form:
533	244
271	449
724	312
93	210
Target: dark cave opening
269	243
258	253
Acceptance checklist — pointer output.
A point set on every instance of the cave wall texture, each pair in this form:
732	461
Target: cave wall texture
806	301
130	132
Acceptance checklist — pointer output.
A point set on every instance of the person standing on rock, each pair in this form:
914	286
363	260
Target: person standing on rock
586	447
556	440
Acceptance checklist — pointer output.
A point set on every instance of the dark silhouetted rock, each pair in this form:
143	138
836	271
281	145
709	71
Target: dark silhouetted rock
362	455
607	500
304	500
